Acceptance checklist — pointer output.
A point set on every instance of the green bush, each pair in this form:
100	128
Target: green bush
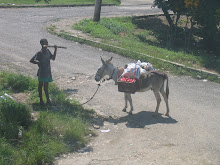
117	25
17	82
71	129
38	148
56	130
6	152
101	32
13	116
58	96
106	28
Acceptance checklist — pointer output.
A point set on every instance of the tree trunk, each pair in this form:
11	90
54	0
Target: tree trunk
210	31
190	34
177	19
175	29
98	4
185	32
166	13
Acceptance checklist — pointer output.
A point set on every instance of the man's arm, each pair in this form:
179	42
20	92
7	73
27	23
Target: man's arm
34	61
55	52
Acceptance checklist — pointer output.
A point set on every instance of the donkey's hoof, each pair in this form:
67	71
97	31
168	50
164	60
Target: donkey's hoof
124	110
130	113
167	114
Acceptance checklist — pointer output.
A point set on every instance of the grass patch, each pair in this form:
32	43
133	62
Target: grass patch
70	128
13	116
38	148
6	152
127	33
164	66
57	129
145	37
57	2
17	82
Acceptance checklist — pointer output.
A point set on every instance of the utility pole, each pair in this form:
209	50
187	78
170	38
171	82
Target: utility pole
98	4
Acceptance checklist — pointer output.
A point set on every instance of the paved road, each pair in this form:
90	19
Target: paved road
136	2
190	136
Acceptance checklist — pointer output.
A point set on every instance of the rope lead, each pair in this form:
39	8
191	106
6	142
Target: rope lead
93	94
89	99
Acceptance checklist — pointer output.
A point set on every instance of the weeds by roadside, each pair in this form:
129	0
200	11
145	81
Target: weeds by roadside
129	33
57	129
17	82
127	36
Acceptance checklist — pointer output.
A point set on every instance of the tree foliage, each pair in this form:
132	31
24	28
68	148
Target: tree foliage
204	13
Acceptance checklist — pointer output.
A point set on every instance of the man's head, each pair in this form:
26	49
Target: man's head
43	42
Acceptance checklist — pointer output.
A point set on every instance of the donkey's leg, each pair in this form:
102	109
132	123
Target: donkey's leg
165	99
130	101
126	102
158	98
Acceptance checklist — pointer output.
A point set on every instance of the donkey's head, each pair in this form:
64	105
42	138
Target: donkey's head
104	69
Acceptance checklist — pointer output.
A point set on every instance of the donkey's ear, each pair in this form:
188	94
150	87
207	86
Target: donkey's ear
109	60
103	62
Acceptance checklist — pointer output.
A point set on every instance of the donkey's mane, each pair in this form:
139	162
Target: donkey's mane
110	63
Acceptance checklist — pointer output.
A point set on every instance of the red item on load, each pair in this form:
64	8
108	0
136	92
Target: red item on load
127	85
129	80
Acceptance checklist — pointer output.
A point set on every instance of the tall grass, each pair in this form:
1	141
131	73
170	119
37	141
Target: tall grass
139	40
13	116
69	128
38	147
106	28
6	152
125	34
57	129
17	82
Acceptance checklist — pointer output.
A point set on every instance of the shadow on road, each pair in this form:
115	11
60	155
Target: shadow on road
142	119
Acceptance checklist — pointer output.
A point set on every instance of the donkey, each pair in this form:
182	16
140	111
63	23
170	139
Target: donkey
154	80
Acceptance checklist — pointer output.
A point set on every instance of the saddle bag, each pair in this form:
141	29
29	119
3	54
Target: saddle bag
127	85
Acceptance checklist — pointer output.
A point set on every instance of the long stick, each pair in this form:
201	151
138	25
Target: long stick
54	46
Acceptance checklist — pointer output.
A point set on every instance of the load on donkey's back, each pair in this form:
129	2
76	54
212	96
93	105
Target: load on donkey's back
131	76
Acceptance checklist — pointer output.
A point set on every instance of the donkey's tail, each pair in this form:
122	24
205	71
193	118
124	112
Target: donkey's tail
165	77
167	87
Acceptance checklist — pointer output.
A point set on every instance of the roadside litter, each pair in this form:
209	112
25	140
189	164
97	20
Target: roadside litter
5	96
105	131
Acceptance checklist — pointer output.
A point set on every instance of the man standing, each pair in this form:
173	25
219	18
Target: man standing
42	58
